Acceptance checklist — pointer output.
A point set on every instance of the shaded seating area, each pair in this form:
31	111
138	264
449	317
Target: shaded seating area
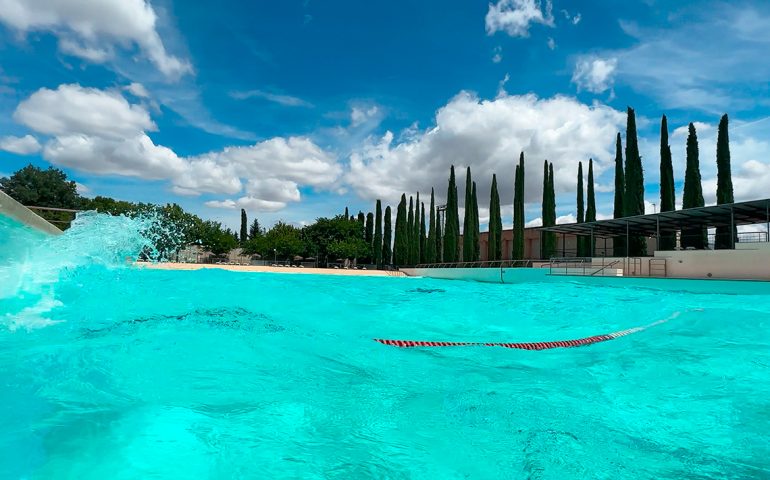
654	226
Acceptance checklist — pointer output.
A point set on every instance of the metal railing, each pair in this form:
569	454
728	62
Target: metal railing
480	264
567	263
657	266
632	266
604	267
583	266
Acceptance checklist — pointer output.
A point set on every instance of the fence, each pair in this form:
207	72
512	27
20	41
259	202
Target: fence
480	264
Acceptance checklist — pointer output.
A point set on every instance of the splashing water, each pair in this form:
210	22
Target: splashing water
32	263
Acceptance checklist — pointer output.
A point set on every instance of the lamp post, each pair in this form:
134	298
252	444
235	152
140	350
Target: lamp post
275	255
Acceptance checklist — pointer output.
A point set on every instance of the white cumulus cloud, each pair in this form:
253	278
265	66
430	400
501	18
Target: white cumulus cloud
489	135
514	17
89	111
594	74
91	29
25	145
100	132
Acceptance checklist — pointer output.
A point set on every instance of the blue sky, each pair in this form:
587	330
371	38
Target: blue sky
295	109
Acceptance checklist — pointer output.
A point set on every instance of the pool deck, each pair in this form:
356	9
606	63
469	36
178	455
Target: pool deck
289	270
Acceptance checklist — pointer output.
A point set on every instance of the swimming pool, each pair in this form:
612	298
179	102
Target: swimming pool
115	372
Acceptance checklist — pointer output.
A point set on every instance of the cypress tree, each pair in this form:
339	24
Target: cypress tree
724	184
386	239
495	236
468	220
551	210
244	227
369	235
667	188
415	258
362	223
346	212
633	200
544	215
581	250
439	237
401	242
377	246
423	237
452	228
410	233
518	211
591	207
476	226
693	192
619	243
430	244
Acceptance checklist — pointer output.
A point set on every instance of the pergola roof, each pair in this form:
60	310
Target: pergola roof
741	213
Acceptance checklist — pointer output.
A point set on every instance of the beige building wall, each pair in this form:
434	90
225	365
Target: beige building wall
566	245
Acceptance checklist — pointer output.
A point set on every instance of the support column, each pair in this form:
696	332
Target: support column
732	227
563	245
628	237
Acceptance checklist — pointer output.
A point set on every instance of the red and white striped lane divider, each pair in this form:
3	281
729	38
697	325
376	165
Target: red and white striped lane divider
581	342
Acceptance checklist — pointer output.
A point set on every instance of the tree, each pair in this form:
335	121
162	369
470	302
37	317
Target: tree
361	223
346	212
369	236
215	238
377	247
430	244
284	241
495	235
693	192
319	237
244	227
452	233
581	244
32	186
256	246
414	244
468	222
549	212
401	242
591	208
619	243
667	188
439	237
468	218
386	239
476	226
410	234
725	236
518	211
423	239
255	230
633	200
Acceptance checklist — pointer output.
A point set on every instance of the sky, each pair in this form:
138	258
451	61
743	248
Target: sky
295	109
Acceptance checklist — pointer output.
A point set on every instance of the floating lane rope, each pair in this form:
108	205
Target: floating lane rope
581	342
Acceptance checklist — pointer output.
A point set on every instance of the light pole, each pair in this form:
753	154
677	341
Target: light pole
654	208
275	255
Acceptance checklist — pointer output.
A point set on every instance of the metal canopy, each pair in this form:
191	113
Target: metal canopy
726	215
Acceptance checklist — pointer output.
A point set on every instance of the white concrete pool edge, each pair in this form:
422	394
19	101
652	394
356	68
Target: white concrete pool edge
13	209
541	275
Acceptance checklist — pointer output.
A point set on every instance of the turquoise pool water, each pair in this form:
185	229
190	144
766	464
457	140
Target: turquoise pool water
115	372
